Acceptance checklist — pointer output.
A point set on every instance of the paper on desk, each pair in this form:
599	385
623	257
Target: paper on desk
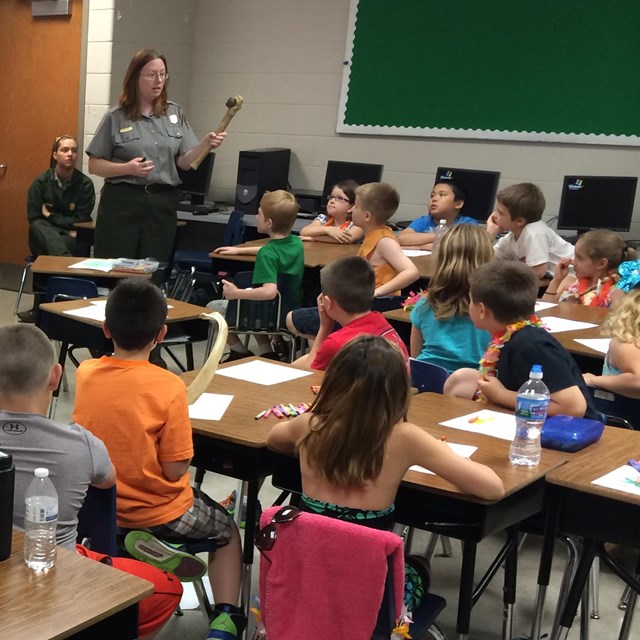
91	311
601	345
95	264
261	372
210	406
491	423
541	305
464	450
414	253
624	478
553	324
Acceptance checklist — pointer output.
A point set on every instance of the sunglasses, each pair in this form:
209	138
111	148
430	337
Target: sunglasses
267	536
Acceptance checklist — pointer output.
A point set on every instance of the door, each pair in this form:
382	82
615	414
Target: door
39	85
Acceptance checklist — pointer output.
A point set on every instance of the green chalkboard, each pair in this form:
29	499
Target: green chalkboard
557	70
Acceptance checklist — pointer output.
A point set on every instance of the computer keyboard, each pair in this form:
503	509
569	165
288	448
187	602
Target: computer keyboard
198	209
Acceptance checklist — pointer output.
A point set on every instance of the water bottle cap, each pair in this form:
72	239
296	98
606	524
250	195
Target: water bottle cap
41	472
536	371
443	221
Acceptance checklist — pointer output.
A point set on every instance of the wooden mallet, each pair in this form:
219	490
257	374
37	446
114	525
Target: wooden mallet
233	104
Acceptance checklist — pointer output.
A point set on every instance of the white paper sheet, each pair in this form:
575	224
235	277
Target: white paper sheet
95	264
624	478
91	311
464	450
99	303
601	345
262	372
210	406
553	324
541	305
491	423
414	253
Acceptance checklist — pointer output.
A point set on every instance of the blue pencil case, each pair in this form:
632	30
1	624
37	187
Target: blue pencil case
567	433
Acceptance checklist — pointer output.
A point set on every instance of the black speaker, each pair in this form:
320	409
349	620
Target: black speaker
260	170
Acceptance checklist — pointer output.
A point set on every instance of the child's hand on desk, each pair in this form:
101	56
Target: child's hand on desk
589	379
341	235
229	290
226	251
493	390
307	238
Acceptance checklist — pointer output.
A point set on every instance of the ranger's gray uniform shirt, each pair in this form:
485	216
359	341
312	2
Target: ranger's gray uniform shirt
159	139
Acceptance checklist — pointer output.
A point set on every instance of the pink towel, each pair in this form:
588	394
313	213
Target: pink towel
325	578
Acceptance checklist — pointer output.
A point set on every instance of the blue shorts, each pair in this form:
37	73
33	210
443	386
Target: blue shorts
306	320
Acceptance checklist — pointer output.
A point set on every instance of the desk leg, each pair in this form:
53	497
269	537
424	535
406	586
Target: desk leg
466	590
575	593
252	488
510	580
546	562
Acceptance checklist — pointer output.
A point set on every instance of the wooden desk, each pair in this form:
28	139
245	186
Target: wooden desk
320	254
59	266
79	598
598	514
236	446
567	339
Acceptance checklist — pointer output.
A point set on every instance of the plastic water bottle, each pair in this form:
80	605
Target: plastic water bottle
438	232
531	412
40	521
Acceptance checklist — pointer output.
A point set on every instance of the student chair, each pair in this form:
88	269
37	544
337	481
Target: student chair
233	234
97	521
387	303
427	377
618	410
318	572
260	317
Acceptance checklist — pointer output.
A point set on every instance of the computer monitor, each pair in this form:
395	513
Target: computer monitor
597	202
337	171
480	188
196	182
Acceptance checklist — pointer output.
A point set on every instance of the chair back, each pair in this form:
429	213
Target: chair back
308	555
59	287
427	377
387	303
97	521
234	231
619	411
262	315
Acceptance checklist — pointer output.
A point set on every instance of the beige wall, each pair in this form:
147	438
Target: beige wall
285	58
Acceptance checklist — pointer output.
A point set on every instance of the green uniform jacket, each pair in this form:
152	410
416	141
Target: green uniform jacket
72	204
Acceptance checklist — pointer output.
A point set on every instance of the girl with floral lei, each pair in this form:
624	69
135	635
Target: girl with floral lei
598	255
621	369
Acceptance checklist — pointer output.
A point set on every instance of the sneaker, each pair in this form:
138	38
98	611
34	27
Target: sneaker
229	503
27	316
144	546
228	623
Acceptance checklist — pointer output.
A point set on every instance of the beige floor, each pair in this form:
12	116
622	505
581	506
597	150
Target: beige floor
486	622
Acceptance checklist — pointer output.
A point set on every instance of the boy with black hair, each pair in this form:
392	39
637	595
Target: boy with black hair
347	295
530	240
282	255
140	412
446	201
503	296
75	458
